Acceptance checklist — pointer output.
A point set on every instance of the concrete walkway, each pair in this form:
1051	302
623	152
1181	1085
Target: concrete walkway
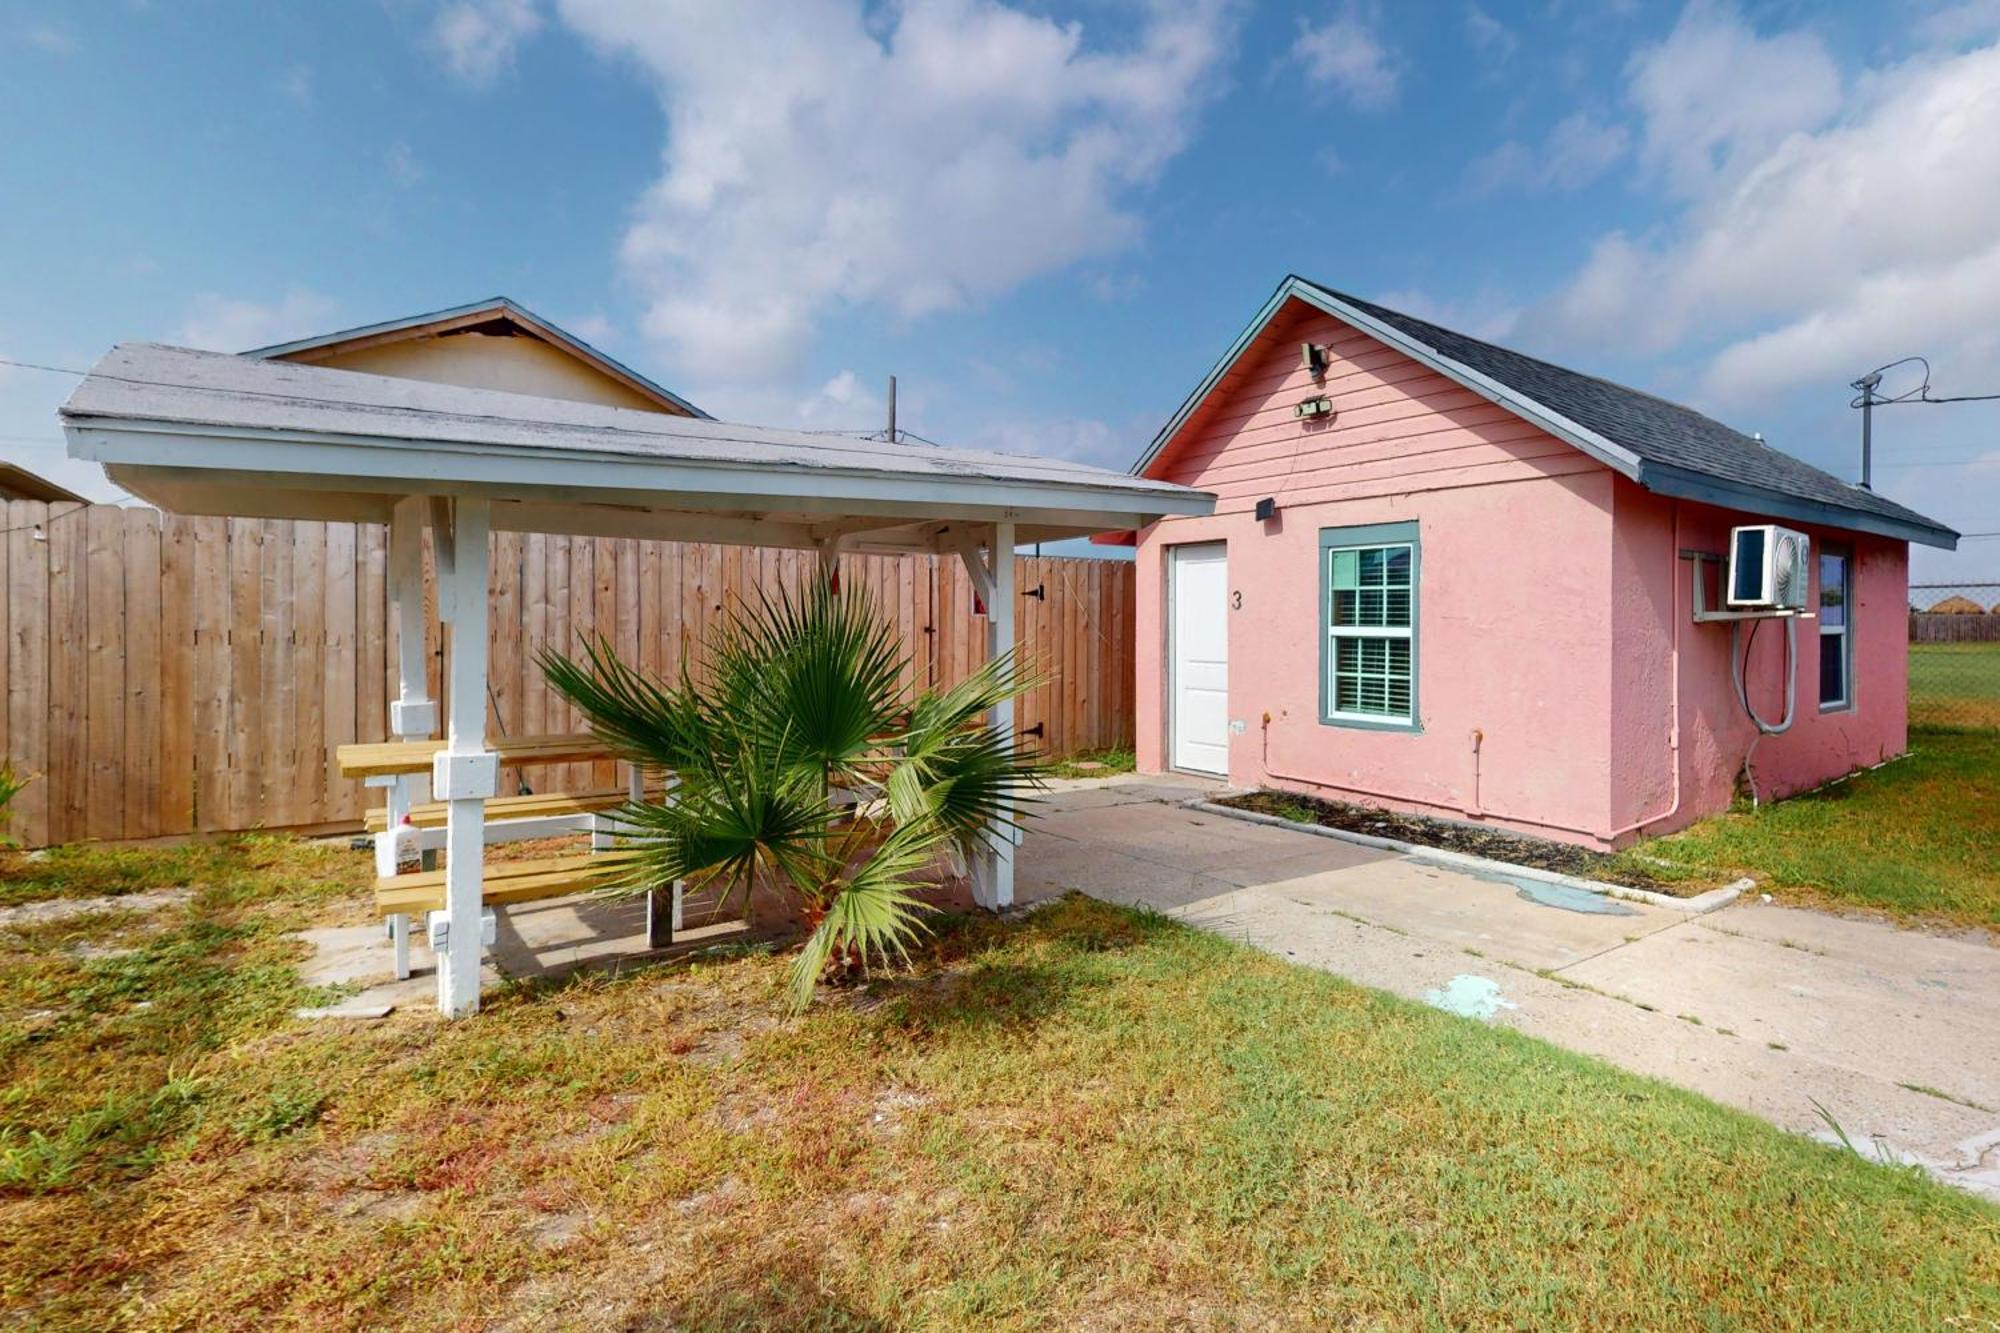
1771	1009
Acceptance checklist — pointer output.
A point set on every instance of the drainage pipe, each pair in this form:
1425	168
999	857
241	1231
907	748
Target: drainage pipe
1784	724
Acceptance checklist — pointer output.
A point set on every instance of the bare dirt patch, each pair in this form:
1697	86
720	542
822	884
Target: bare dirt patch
63	909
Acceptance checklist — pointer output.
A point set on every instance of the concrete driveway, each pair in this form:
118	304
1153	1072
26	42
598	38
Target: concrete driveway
1771	1009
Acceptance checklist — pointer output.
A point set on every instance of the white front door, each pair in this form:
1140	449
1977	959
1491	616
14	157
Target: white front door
1198	656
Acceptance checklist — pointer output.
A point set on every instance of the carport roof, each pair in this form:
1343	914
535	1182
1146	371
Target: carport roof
202	432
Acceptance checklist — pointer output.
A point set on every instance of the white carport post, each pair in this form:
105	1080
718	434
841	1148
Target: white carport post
412	714
466	773
993	578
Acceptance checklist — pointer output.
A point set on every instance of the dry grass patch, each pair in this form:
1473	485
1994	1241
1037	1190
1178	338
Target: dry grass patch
1088	1118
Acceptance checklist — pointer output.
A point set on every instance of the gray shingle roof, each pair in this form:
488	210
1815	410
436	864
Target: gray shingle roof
1665	447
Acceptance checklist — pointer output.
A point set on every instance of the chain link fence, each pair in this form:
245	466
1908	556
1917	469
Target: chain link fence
1955	655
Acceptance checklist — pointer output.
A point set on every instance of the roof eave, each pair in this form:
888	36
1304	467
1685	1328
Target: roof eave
321	460
1684	484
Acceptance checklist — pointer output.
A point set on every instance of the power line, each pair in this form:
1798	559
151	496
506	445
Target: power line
1868	400
1921	394
31	365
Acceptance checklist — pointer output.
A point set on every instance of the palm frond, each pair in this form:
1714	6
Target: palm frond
816	672
956	770
753	817
639	719
874	910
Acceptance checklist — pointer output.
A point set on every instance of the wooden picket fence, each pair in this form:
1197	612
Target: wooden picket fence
168	675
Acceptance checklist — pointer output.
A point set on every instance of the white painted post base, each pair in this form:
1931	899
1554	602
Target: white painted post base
412	715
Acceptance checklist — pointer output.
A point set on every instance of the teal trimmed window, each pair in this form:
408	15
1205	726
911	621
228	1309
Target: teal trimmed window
1369	587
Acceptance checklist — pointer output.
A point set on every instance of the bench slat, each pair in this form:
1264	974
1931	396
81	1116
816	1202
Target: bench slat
433	814
505	882
386	758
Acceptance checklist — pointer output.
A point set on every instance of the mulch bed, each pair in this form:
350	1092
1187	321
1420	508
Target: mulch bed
1513	848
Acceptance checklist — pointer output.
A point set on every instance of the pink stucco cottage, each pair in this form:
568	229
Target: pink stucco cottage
1449	578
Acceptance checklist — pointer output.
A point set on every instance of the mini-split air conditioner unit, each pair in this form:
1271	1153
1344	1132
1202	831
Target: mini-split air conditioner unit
1769	568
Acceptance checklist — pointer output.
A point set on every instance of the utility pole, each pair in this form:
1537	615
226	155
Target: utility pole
1867	400
1867	385
892	409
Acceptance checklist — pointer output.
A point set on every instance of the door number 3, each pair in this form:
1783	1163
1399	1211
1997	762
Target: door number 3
1236	600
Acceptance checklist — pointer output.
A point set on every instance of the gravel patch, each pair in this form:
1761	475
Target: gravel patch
62	909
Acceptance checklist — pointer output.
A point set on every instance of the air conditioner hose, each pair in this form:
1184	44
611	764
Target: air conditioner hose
1764	728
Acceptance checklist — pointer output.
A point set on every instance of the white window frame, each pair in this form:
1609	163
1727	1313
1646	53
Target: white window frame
1404	721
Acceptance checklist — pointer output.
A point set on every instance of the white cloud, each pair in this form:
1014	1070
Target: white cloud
595	328
478	38
225	324
1828	252
1794	257
48	37
296	84
1884	315
915	159
1577	151
845	403
1085	439
402	165
1489	36
1716	97
1966	21
1345	56
1484	314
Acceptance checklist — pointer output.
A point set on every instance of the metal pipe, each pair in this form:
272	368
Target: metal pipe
1867	439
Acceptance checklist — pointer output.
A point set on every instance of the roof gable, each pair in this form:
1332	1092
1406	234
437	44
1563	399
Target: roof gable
498	315
18	483
1663	446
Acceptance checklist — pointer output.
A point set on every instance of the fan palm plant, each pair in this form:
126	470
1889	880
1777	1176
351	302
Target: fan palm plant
800	762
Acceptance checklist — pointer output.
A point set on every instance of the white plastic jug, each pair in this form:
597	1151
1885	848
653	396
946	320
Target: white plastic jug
408	849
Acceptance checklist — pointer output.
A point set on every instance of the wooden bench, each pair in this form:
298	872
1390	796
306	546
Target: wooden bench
505	882
555	805
374	759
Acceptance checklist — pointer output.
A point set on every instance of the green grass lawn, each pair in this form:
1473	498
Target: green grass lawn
1955	684
1084	1118
1918	838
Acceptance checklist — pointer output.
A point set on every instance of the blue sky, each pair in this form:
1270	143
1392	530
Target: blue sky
1047	220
